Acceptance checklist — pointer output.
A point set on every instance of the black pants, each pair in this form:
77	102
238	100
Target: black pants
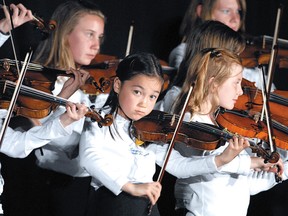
104	203
22	192
31	191
65	195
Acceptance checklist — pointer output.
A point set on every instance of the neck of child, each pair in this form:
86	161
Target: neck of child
122	113
205	108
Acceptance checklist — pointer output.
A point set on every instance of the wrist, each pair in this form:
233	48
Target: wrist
220	160
4	33
65	120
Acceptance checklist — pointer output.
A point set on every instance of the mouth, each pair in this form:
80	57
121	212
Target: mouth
141	113
92	56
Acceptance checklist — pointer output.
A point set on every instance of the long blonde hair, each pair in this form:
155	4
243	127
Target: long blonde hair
55	50
209	67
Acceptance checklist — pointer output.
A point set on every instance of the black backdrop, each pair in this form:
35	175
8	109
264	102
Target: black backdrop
156	24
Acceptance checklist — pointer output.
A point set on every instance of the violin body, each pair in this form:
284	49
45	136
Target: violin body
252	101
7	88
39	78
244	125
258	52
103	70
159	127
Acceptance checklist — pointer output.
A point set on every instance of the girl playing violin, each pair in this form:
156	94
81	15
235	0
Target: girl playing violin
122	170
63	184
216	75
208	34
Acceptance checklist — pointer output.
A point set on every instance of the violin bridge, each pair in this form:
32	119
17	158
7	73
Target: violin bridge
172	120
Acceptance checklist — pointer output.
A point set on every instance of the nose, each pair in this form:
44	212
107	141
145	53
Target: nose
143	102
240	91
96	43
235	16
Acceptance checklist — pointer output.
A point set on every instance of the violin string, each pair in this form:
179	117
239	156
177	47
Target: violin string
37	93
279	126
222	133
279	99
31	66
206	128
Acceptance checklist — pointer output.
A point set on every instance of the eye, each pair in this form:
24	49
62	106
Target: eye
137	92
154	97
90	34
225	11
238	82
101	39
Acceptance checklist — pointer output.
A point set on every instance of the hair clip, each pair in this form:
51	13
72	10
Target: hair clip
214	52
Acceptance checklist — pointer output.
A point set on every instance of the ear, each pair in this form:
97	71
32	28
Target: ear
199	10
212	84
117	85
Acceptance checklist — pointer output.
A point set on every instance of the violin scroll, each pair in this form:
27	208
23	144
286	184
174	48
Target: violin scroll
43	26
95	116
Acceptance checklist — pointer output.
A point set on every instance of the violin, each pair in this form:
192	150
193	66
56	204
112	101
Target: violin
244	124
159	127
39	78
45	27
252	101
103	70
258	52
24	107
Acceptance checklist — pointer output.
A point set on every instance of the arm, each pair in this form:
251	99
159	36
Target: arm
264	180
177	54
74	83
152	190
20	144
111	162
184	167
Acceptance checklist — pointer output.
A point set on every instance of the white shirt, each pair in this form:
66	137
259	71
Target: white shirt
177	55
165	105
19	144
114	162
3	38
226	193
61	155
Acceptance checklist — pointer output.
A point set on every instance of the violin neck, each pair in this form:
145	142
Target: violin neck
7	87
278	99
7	64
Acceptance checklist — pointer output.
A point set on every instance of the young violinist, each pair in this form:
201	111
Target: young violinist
121	169
216	75
58	178
20	15
230	12
208	34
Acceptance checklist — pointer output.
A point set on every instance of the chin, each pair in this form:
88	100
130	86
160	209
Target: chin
228	107
85	62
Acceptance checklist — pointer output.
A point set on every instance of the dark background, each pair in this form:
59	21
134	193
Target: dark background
156	24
